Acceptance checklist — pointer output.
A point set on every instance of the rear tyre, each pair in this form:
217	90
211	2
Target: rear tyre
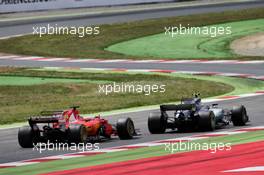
157	123
125	128
206	121
77	134
25	137
239	116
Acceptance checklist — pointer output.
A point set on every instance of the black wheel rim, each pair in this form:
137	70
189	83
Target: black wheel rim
212	121
130	128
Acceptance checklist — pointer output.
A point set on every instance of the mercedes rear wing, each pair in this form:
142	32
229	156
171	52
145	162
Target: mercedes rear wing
179	107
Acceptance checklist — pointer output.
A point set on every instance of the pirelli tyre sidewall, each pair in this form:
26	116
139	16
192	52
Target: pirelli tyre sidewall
157	123
26	137
125	128
77	134
206	121
239	115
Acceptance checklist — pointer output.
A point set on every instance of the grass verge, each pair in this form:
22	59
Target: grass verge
29	81
20	101
240	85
125	155
190	46
93	46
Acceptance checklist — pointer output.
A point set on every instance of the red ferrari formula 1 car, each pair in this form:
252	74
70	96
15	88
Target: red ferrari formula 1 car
69	126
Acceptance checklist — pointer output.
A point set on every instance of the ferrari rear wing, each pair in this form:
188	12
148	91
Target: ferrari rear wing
49	113
36	120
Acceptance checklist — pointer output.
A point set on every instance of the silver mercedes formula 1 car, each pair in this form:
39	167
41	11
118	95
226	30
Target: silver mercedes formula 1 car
192	114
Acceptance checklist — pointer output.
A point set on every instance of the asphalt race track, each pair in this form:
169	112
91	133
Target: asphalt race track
9	148
12	28
254	69
10	151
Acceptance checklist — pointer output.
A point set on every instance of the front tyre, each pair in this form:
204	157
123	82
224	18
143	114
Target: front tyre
157	123
239	115
125	128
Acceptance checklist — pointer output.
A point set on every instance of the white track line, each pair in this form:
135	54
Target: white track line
247	169
120	148
53	59
27	58
17	164
81	60
17	57
8	57
251	62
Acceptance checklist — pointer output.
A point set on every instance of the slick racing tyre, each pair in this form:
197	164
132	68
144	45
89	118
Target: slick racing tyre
157	123
125	128
25	137
206	120
239	116
77	134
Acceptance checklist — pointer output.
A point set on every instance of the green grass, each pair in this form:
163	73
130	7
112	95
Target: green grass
124	155
94	46
240	86
29	81
189	46
18	102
